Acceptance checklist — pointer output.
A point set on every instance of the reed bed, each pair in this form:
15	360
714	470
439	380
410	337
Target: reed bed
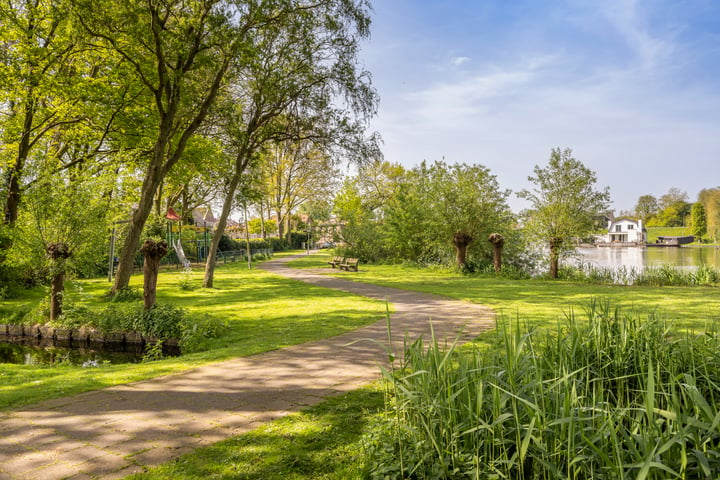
661	276
608	396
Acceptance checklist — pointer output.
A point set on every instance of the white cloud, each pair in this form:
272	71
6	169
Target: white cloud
457	61
627	18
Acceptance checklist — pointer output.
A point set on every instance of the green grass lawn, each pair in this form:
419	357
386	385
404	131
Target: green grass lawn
655	232
269	312
263	311
539	302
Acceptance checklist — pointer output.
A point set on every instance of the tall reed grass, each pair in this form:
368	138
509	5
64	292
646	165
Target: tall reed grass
609	397
664	275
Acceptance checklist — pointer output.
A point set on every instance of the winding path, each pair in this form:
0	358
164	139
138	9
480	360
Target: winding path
121	430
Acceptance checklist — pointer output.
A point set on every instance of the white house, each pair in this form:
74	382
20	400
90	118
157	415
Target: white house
626	230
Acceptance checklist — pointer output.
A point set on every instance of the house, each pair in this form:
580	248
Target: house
626	230
203	217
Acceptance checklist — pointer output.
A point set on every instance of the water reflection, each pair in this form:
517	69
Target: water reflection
639	258
32	354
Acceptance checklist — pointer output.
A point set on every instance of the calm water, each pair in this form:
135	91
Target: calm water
29	353
639	258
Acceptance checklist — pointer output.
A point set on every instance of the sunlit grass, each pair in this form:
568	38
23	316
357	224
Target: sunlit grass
263	311
540	302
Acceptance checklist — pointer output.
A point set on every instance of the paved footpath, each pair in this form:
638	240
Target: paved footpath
115	432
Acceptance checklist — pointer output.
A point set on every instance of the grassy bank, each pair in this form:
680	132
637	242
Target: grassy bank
263	312
655	232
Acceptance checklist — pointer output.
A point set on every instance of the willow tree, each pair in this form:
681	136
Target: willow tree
296	174
179	53
298	81
710	198
563	203
36	76
466	204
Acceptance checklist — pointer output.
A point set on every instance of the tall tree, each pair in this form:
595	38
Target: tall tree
646	207
710	198
699	221
298	80
466	204
179	52
37	78
563	203
296	174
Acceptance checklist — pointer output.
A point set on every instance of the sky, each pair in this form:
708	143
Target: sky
631	86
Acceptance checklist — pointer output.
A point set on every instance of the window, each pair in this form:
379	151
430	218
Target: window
630	227
618	228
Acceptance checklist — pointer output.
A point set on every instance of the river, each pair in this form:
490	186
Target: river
639	258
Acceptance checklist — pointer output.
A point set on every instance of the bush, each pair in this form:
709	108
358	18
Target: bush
277	244
228	244
125	294
198	331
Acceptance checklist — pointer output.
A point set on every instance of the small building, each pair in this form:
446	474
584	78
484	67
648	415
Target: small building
626	230
673	241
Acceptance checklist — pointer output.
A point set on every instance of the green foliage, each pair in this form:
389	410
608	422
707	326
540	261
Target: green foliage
564	203
256	226
435	213
186	282
198	332
126	294
646	207
610	396
361	234
710	198
666	275
153	352
698	220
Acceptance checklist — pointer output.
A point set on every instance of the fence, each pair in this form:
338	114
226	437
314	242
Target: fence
230	256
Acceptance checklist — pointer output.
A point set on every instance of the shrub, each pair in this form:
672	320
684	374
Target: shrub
125	294
198	331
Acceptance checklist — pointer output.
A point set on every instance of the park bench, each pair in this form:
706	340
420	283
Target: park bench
336	261
349	264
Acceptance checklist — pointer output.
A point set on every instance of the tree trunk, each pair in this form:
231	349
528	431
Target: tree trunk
247	237
554	257
497	242
57	287
280	225
220	230
461	242
153	252
137	223
263	234
58	253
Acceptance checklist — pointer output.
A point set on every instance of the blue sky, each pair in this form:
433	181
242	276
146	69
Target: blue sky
633	87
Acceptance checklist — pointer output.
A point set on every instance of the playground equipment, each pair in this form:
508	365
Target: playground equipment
176	243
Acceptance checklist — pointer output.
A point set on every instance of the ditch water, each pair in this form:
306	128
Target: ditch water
33	352
639	258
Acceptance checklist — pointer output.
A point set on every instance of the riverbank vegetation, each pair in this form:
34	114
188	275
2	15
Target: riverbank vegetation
612	395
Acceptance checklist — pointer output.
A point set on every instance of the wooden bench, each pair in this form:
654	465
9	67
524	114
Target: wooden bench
336	261
349	264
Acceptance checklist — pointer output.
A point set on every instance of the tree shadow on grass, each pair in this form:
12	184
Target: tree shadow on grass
321	442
